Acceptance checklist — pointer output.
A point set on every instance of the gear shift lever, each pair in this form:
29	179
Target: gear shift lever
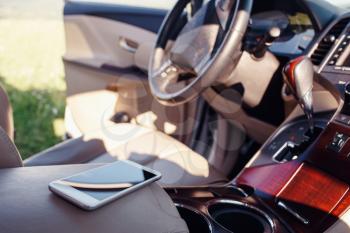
298	75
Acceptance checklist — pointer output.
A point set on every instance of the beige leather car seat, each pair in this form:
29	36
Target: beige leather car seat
178	164
6	119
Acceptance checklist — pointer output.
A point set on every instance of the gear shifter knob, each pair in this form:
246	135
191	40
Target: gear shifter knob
298	75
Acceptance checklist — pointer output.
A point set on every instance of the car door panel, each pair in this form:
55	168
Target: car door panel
106	60
90	41
147	18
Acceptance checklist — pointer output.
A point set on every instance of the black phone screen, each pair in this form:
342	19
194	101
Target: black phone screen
109	180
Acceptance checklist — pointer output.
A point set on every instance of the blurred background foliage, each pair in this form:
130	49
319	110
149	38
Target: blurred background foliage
31	70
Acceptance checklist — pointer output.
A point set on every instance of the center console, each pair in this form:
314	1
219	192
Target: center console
224	209
307	193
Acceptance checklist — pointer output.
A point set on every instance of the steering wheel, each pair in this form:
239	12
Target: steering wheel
206	48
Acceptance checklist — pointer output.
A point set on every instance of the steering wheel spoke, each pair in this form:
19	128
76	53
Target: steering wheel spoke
167	71
201	50
201	65
171	71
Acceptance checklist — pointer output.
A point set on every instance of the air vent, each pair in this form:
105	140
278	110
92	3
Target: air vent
328	41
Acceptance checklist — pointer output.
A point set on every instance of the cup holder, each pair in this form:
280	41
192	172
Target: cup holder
240	218
196	222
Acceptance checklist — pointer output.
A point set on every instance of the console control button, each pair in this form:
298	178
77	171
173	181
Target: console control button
338	142
332	62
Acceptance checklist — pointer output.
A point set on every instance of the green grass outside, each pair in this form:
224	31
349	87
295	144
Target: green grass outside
31	46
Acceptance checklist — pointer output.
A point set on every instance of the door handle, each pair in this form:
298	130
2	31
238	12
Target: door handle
128	45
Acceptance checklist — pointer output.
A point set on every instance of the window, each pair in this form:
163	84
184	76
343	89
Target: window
159	4
340	3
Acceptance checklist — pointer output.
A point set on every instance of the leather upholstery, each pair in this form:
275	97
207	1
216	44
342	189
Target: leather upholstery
6	118
74	151
178	164
28	206
87	147
9	155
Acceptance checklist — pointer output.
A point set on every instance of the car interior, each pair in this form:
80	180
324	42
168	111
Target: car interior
243	106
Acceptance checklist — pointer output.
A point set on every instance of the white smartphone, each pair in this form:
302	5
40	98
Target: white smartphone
96	187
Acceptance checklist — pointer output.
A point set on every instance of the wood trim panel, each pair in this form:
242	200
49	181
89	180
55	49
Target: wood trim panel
269	179
312	193
315	186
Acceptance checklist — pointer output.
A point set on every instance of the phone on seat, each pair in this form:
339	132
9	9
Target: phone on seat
96	187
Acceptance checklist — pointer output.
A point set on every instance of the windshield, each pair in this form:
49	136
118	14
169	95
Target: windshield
340	3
